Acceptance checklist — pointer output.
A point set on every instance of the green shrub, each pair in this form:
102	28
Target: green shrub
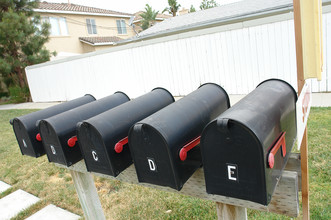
4	94
18	94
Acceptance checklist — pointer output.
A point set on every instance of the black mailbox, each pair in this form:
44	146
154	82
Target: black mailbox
59	132
165	146
103	138
245	149
26	126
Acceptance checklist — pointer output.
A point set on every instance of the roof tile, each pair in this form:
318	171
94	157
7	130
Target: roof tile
77	8
94	40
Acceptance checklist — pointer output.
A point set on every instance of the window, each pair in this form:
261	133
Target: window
91	27
121	26
58	25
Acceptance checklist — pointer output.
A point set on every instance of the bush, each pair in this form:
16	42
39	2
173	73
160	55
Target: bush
18	94
3	94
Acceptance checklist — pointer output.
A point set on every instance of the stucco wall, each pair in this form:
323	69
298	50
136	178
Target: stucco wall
87	48
102	47
106	26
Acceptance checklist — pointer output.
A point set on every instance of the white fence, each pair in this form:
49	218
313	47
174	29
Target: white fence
238	58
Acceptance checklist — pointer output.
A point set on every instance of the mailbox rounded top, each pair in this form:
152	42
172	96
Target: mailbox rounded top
90	96
166	91
123	94
226	94
280	80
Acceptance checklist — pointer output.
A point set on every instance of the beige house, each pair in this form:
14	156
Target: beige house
137	19
77	29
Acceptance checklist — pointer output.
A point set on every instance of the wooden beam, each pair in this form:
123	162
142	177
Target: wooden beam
88	195
285	200
301	82
294	164
230	212
283	197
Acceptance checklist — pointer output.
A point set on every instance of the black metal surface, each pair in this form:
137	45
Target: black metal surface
155	142
26	126
235	146
57	130
98	135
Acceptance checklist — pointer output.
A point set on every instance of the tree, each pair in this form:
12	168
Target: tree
22	39
149	16
205	4
173	7
192	9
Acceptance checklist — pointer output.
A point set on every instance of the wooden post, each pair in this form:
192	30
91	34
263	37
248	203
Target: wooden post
305	177
88	195
230	212
301	82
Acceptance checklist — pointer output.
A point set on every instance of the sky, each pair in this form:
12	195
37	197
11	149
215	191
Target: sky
132	6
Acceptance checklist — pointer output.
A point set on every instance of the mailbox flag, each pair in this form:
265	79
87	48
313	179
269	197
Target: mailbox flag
311	23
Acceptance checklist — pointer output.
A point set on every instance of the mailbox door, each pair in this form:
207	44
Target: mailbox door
98	154
158	163
28	145
65	154
151	156
95	155
233	161
52	144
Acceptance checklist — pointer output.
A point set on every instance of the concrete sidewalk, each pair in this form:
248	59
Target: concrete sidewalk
318	100
18	201
28	105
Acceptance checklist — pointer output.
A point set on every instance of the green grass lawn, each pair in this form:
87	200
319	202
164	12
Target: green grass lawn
125	201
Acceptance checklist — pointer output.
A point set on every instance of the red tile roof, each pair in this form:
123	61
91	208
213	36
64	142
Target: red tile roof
77	8
98	40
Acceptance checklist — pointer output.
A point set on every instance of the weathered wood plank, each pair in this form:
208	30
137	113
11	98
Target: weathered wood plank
88	195
294	164
230	212
284	201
